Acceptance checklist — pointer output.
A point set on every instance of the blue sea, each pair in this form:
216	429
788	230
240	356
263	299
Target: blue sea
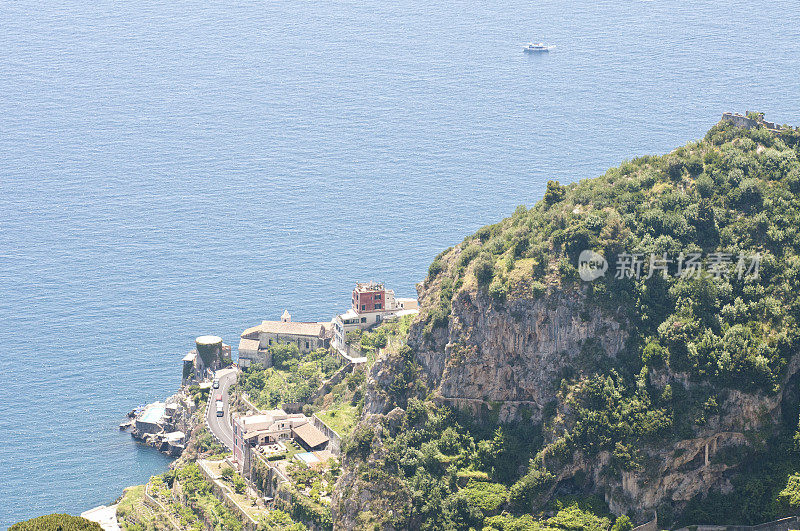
172	169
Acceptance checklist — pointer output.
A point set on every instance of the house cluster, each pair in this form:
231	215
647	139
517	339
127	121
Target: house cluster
269	432
371	303
273	432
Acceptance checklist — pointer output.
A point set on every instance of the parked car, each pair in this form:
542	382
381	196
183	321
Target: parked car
215	385
220	409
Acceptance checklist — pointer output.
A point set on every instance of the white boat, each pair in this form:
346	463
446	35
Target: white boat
533	47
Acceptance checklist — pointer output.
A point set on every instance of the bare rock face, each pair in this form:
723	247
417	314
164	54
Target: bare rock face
512	357
515	353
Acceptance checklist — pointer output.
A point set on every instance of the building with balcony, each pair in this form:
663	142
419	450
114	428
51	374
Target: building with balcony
270	427
371	303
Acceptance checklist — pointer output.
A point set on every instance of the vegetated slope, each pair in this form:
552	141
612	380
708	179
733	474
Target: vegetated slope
650	392
56	522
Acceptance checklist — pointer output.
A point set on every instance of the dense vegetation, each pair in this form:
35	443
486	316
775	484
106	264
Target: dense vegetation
735	193
734	199
56	522
455	474
293	377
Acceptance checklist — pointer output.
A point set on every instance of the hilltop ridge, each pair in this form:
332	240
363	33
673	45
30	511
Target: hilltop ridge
648	387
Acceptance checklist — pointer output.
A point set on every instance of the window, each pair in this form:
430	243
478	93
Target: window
363	307
378	306
363	319
377	296
306	344
270	341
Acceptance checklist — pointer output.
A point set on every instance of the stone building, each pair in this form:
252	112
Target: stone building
750	120
209	354
255	342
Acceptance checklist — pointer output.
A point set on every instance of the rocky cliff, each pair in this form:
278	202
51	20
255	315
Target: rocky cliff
650	390
514	356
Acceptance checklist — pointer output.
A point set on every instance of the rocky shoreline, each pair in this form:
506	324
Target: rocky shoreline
163	425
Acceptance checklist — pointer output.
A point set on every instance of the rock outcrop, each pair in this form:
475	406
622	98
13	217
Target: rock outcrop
513	356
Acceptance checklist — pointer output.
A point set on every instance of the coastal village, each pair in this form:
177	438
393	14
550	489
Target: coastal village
260	438
262	457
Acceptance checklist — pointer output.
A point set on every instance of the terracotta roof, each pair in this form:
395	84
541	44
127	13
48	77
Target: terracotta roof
251	333
310	435
248	344
288	328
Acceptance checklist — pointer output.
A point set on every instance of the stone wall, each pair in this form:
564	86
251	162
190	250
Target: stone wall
784	524
652	525
748	123
335	443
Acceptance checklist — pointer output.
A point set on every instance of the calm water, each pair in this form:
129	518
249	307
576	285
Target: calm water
171	169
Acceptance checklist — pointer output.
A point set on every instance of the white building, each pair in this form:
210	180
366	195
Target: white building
371	304
269	427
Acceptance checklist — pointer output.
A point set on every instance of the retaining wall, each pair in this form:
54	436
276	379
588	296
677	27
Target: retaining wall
335	443
784	524
652	525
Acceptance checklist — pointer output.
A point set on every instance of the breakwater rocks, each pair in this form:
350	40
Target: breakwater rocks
163	425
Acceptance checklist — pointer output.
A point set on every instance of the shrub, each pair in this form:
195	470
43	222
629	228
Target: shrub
622	523
526	492
555	193
484	270
488	497
56	522
789	497
435	268
498	290
239	484
360	443
467	255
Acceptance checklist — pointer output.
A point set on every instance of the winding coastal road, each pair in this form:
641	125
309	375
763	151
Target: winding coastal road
221	426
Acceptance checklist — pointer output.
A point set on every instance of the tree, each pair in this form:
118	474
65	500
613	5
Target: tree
239	484
555	193
284	355
484	270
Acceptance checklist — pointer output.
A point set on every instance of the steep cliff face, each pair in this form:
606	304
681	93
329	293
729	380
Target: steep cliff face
365	496
651	389
514	354
511	358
